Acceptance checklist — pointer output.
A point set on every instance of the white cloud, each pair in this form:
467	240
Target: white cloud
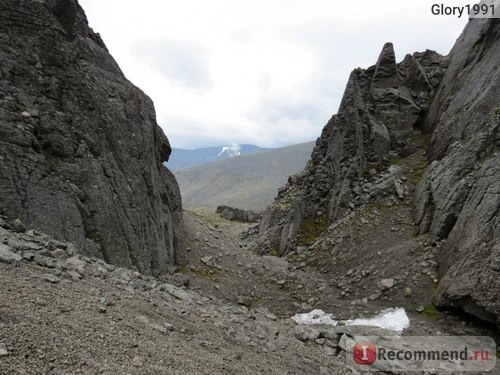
266	72
183	63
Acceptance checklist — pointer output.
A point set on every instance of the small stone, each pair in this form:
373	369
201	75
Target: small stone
206	259
350	272
164	328
3	352
394	229
29	255
57	272
45	261
59	253
72	275
53	279
329	351
320	341
272	317
420	308
75	263
385	284
305	333
7	255
181	280
40	302
54	244
138	361
364	221
274	262
408	292
102	309
19	226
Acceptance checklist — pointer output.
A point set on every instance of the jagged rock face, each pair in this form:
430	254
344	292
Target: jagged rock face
80	150
380	107
459	194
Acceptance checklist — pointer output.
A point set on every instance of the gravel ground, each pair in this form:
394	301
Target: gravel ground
116	321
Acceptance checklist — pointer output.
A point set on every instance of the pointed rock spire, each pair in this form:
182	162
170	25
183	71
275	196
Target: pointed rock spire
385	74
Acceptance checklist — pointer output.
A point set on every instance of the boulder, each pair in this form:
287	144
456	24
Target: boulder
7	255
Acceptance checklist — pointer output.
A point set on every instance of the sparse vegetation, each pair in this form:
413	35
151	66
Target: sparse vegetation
496	113
310	230
432	312
395	160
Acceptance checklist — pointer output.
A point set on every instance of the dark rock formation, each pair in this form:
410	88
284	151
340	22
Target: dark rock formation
80	151
457	99
236	214
459	195
380	108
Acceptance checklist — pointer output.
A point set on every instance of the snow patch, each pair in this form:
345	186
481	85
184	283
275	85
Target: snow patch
394	319
314	317
232	150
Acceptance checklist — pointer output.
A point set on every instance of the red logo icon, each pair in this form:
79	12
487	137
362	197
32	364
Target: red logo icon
365	353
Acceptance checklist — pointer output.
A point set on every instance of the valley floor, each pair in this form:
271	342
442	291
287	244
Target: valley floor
228	310
233	318
67	314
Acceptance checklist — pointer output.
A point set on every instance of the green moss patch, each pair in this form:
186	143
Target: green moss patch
310	230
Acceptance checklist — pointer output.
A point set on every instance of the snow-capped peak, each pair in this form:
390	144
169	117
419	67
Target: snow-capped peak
232	150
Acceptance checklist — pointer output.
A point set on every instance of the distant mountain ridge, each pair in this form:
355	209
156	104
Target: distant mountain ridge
245	181
182	158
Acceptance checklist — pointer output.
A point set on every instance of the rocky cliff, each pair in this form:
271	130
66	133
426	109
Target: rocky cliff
458	197
81	152
456	99
379	110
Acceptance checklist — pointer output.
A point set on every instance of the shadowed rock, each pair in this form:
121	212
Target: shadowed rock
81	152
458	197
385	74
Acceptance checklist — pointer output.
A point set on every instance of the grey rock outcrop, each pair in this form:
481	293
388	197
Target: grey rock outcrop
236	214
458	197
80	150
379	110
457	200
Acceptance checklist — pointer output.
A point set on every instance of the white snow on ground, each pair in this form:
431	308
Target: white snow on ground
314	317
394	319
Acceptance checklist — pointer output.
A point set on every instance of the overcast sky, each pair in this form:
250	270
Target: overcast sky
267	72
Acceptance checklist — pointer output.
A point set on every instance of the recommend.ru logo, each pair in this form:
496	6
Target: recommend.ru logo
421	353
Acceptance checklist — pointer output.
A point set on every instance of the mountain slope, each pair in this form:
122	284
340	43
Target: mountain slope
246	181
380	107
361	160
182	158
